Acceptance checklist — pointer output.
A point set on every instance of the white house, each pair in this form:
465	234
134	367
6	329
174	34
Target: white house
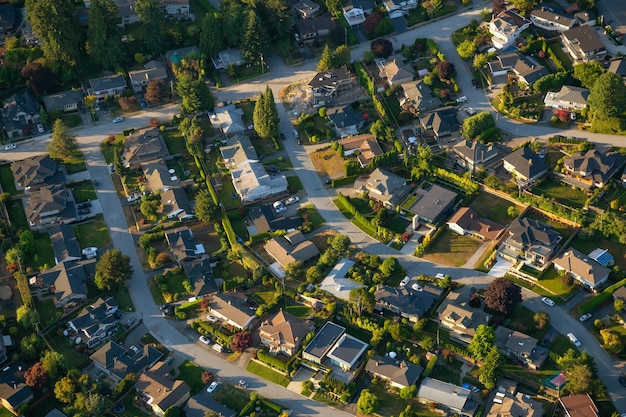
354	15
506	27
174	7
547	18
568	98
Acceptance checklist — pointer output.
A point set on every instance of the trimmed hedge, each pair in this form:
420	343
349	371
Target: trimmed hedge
271	405
601	298
272	361
248	409
429	366
570	141
466	184
343	181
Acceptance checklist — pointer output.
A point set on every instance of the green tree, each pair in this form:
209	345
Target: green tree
54	363
277	18
587	73
13	256
607	97
313	274
482	342
31	346
619	305
341	56
466	49
326	60
151	15
265	116
542	319
368	402
195	94
65	390
233	19
580	379
112	269
340	243
334	6
206	210
118	166
172	411
512	211
390	266
475	125
26	316
492	369
62	145
294	269
255	40
47	18
104	45
193	133
149	208
361	299
409	392
611	341
525	6
480	60
211	35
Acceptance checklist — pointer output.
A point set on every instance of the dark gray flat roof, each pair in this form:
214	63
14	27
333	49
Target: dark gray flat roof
324	339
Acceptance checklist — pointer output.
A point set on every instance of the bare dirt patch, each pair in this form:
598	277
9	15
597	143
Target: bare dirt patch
328	163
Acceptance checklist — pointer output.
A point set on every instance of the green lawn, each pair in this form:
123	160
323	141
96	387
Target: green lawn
5	413
7	181
75	165
294	184
397	224
521	319
493	208
615	193
226	195
108	150
314	216
169	286
17	215
299	310
83	191
267	373
192	375
174	141
238	221
535	288
557	48
553	155
553	282
392	106
266	296
572	197
451	249
560	345
232	397
248	111
93	233
43	252
123	299
47	311
74	359
615	248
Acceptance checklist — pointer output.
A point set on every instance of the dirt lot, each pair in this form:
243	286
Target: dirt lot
328	163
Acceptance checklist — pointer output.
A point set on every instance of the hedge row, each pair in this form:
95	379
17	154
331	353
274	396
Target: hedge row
601	298
364	77
343	181
456	349
429	366
147	239
272	361
465	183
571	141
230	233
271	405
248	409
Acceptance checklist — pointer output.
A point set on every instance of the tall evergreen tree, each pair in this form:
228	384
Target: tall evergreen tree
62	144
211	35
273	121
151	15
103	41
233	21
326	60
265	116
277	18
255	41
57	26
195	95
607	97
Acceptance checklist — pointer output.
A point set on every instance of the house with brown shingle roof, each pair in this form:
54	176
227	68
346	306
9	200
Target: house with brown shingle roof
466	222
579	405
290	248
232	309
394	71
515	405
456	315
472	154
284	333
399	373
144	146
33	171
162	390
366	145
583	44
46	205
582	268
592	168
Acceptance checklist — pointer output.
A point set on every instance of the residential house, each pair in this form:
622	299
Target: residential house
586	18
326	86
332	347
398	373
224	59
520	347
284	333
441	124
354	15
14	393
382	185
409	302
399	7
46	205
308	30
460	319
144	146
292	247
473	154
232	309
9	21
228	119
346	120
306	9
365	146
95	323
66	281
418	97
64	244
602	256
582	268
65	101
367	6
175	7
161	389
264	219
592	168
176	204
109	85
55	413
337	282
152	70
549	17
201	405
116	361
525	68
568	98
447	396
531	241
430	203
583	44
175	56
620	293
579	405
395	71
466	222
509	405
34	171
506	27
237	150
20	113
618	66
159	176
183	245
525	165
200	274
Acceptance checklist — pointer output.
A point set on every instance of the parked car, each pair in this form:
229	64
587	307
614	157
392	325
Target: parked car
417	287
212	387
204	340
40	128
218	348
440	275
84	211
133	198
547	301
461	99
211	318
296	134
281	209
404	281
292	200
542	153
83	205
134	349
574	340
585	317
10	146
475	83
243	383
282	136
118	119
272	169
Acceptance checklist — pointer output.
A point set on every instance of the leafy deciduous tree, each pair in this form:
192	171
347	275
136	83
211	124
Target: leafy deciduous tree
26	316
241	341
607	97
65	390
36	377
206	210
368	402
492	369
112	269
54	363
39	77
587	73
502	295
482	342
156	91
362	299
466	49
382	48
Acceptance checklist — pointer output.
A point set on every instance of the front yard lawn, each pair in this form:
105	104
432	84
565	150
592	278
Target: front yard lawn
391	404
314	216
521	319
93	233
7	181
75	165
299	310
169	286
572	197
267	373
397	224
451	249
192	375
83	191
560	345
232	397
553	282
294	184
328	163
493	208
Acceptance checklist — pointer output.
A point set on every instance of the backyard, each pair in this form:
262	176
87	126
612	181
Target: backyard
451	249
615	248
192	375
228	197
174	141
572	197
93	233
232	397
553	282
328	163
17	215
493	208
7	181
391	405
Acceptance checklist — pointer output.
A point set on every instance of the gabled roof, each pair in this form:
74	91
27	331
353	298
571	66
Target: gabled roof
406	300
526	162
238	149
232	307
164	390
419	95
143	146
69	281
569	93
514	341
158	175
581	265
366	144
508	22
394	70
200	274
48	199
58	101
7	16
441	121
618	66
528	232
468	219
330	78
345	116
324	340
474	151
153	70
121	361
519	405
579	405
265	219
585	37
444	393
286	328
21	102
399	372
176	204
33	170
64	243
200	404
228	118
432	201
291	248
108	82
13	388
93	317
182	244
552	14
462	318
381	183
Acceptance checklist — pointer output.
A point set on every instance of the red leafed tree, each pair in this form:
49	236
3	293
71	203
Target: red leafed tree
445	69
372	21
241	341
206	377
498	6
502	295
129	103
36	377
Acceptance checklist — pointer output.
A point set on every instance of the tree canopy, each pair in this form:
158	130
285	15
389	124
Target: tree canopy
206	210
195	94
482	342
382	48
112	269
62	145
150	13
255	39
265	116
588	73
368	403
502	295
211	35
492	369
466	49
362	299
104	45
475	125
607	97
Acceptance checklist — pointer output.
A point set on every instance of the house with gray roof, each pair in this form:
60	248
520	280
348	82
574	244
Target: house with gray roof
306	9
525	165
228	119
152	70
144	146
530	240
290	248
326	86
9	21
395	71
64	243
14	393
442	124
227	57
308	30
406	301
511	405
109	85
176	204
618	66
520	347
183	245
66	281
552	18
20	114
161	389
265	219
398	373
324	340
201	404
449	396
232	308
583	44
592	168
159	176
346	120
200	273
337	282
582	268
55	413
525	68
431	203
471	154
462	320
46	205
418	97
33	171
382	185
64	101
117	361
568	98
96	322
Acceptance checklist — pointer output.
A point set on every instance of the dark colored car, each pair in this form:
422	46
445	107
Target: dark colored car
282	136
86	204
622	380
475	83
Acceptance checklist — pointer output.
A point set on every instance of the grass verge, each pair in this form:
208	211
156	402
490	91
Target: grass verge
267	373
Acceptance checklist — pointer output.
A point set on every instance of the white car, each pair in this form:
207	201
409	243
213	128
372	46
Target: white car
211	318
296	134
404	281
118	119
204	340
585	317
134	349
212	387
40	128
10	146
417	287
574	339
440	275
547	301
461	99
470	111
133	198
292	200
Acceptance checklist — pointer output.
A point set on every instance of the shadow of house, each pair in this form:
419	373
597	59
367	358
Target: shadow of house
265	219
200	405
116	361
176	204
